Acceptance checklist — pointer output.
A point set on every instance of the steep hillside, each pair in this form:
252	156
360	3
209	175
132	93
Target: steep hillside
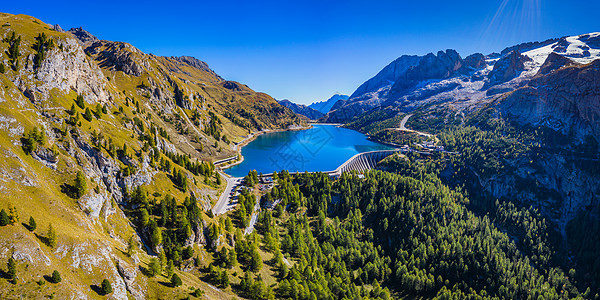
95	135
519	127
301	109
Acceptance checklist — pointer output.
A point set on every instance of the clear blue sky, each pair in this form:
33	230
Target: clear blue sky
306	51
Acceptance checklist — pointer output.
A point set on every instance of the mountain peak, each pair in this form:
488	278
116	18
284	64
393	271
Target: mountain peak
85	38
325	106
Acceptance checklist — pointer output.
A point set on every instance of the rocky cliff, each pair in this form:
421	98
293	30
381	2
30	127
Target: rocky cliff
566	99
141	129
411	82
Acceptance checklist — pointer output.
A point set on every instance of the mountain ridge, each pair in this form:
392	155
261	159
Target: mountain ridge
483	74
139	129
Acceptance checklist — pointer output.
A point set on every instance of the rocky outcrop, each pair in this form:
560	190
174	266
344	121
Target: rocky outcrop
507	68
473	62
440	66
129	275
388	75
46	156
197	236
566	100
57	27
84	38
553	62
69	69
196	63
119	56
232	85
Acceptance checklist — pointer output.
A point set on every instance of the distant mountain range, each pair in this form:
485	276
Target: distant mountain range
325	106
545	95
316	110
516	78
302	109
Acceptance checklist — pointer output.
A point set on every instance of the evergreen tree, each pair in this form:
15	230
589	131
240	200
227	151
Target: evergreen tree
130	246
256	262
88	115
198	293
98	111
55	277
105	287
232	258
175	280
144	217
154	267
170	268
32	224
156	236
4	220
72	111
13	49
80	185
79	101
51	238
11	273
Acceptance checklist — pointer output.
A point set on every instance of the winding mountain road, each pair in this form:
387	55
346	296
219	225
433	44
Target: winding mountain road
223	205
403	127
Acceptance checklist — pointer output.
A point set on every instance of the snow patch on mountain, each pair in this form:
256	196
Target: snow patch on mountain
582	49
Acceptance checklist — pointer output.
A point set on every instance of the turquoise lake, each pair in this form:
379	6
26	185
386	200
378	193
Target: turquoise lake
320	148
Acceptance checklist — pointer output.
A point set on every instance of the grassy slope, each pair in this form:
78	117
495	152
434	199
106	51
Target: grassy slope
47	204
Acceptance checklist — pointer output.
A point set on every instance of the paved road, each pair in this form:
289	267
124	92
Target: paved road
223	205
403	127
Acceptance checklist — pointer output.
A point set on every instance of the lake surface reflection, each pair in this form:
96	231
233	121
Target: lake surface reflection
321	148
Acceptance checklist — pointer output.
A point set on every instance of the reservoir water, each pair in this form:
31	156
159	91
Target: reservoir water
320	148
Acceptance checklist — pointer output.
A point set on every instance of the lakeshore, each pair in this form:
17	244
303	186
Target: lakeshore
317	147
251	137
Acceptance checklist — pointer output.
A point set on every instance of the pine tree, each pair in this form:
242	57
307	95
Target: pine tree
170	268
79	101
154	267
88	114
55	277
232	258
32	224
175	280
4	220
99	111
80	184
256	262
11	273
156	236
130	246
198	293
144	217
72	111
51	236
105	287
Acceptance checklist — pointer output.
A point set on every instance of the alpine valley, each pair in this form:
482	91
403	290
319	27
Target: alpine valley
111	174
